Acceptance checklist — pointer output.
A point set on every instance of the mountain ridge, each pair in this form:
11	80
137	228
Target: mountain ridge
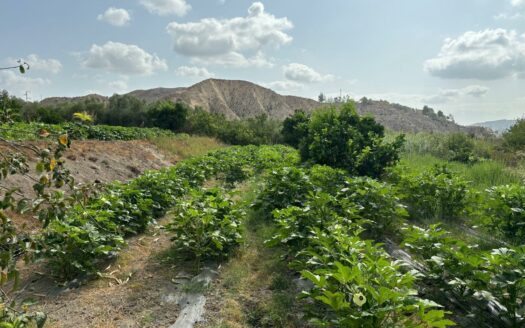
498	126
238	99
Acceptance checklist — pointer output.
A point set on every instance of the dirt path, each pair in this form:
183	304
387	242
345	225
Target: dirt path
139	290
254	288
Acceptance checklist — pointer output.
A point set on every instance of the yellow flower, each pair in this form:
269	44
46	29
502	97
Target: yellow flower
52	164
62	139
359	299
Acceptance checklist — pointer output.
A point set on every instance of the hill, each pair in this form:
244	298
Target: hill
233	98
498	126
401	118
242	99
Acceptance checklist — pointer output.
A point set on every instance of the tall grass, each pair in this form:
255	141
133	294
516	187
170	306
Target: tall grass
482	174
183	145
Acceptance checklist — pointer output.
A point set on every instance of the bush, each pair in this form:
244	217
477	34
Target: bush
295	128
434	194
284	187
505	212
375	202
460	148
343	139
207	225
492	279
514	138
168	115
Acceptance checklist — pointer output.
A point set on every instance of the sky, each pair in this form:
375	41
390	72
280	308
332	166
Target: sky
466	58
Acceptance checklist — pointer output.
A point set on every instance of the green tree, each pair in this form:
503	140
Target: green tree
168	115
123	110
514	138
9	107
343	139
295	128
459	148
321	98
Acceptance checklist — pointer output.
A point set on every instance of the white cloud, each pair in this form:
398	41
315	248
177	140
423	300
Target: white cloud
231	42
447	95
115	16
284	86
167	7
304	74
193	71
517	3
484	55
122	58
17	83
39	64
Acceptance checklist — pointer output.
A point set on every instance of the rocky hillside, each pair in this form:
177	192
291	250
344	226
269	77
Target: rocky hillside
405	119
241	99
235	99
53	101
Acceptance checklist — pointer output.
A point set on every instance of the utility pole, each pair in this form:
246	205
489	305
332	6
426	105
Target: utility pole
26	94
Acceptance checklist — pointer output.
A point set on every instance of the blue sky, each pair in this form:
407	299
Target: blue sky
464	57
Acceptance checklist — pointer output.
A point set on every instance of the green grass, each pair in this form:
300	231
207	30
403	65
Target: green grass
256	287
482	175
183	146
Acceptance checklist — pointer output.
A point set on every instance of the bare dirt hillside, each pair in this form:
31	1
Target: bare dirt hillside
241	99
233	98
103	160
401	118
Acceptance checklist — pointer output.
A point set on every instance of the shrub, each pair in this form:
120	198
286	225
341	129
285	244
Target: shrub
168	115
358	285
505	212
434	194
207	225
492	279
460	148
343	139
514	138
375	202
295	128
283	187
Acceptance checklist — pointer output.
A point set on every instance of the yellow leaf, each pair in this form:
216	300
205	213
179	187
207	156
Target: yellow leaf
52	164
63	139
83	116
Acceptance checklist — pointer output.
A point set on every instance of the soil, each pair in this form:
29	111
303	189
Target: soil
135	291
105	161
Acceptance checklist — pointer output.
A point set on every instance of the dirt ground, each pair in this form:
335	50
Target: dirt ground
103	160
137	290
142	287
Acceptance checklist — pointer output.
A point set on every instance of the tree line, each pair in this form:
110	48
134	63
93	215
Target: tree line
129	111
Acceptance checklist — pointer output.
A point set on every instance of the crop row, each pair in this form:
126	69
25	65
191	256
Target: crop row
322	218
33	131
97	230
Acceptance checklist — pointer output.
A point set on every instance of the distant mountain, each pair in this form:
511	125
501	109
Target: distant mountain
498	126
241	99
53	101
234	99
405	119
